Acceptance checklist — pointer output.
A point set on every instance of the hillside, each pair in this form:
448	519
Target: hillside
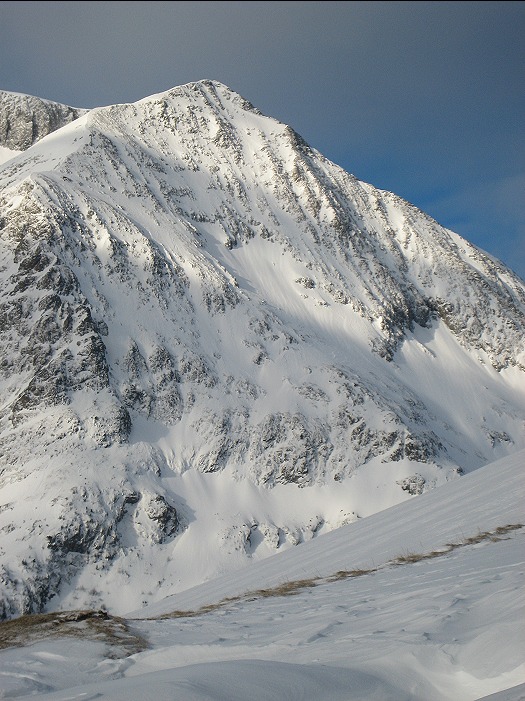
422	602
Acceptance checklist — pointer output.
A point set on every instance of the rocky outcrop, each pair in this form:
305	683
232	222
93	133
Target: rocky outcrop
25	119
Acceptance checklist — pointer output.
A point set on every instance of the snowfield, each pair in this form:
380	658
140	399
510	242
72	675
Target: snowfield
423	601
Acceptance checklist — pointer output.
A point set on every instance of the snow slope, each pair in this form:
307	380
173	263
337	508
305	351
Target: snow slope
388	626
7	153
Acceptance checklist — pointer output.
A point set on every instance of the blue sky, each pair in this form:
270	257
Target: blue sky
425	99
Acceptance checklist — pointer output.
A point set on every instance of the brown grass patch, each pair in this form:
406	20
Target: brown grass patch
285	589
93	625
410	558
480	537
346	574
494	536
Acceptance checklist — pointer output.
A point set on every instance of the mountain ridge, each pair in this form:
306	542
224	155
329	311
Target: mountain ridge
25	119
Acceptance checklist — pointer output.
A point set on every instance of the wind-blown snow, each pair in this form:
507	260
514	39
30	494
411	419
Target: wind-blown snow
446	628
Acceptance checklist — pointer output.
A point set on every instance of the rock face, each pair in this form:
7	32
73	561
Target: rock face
25	119
192	295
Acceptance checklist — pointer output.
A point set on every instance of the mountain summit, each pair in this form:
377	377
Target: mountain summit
202	314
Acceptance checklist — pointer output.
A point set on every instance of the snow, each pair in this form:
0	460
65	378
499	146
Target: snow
6	154
445	627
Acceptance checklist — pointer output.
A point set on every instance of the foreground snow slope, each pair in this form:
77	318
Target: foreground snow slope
481	501
449	627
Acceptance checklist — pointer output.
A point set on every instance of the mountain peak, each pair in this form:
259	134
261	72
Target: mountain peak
201	313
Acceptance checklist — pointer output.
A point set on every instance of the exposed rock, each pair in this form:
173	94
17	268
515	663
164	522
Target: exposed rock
25	119
415	484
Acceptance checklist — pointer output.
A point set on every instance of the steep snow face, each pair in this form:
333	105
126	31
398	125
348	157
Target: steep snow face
200	314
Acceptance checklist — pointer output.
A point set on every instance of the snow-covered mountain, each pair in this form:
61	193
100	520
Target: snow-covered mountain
201	315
